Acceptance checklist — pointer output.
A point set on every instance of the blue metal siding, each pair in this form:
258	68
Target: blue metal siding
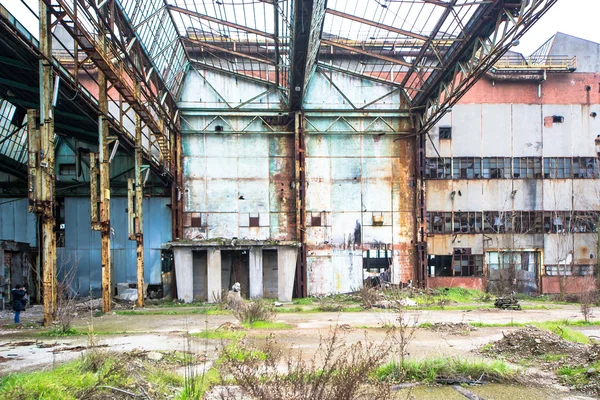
16	223
83	244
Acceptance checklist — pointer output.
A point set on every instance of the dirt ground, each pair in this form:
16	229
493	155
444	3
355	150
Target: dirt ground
166	333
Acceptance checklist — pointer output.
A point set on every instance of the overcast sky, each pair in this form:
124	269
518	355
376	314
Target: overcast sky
575	17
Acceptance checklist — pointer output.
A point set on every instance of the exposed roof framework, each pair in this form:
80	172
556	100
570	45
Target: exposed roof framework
432	51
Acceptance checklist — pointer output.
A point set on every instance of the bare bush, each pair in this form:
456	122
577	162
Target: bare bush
588	297
369	296
258	310
330	304
336	372
66	308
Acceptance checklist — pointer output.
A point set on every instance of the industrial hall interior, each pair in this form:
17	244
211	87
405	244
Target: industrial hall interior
171	148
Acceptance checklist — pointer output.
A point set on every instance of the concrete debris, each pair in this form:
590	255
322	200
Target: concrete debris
154	356
452	328
226	393
278	304
531	342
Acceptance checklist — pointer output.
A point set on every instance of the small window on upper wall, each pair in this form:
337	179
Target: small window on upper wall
196	222
254	222
557	119
445	132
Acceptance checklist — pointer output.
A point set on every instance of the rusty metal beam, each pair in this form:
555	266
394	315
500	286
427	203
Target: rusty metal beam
221	22
232	52
300	186
46	166
366	53
104	186
139	212
376	24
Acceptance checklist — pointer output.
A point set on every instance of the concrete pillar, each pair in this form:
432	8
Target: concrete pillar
256	273
286	269
213	274
184	273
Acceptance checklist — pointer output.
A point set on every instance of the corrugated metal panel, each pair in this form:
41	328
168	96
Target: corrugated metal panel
16	223
83	244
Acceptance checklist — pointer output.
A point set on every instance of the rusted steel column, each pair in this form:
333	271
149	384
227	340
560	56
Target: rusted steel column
103	141
300	185
139	203
46	166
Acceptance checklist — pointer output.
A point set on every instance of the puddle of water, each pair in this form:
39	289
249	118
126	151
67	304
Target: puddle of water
489	392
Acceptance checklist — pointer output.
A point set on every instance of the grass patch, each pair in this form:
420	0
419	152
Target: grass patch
203	383
220	334
430	370
267	325
57	332
579	378
199	310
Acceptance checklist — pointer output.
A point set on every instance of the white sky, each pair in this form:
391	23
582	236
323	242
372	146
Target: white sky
574	17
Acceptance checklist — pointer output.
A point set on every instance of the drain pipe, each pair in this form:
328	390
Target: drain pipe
540	85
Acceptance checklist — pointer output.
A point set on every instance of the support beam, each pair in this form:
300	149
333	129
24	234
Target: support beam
366	53
286	264
256	273
46	166
300	184
139	212
376	24
213	275
308	16
103	124
184	270
232	52
220	21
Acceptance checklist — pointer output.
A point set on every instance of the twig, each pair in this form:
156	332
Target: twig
121	390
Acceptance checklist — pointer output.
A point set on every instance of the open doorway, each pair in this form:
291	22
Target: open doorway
235	268
200	275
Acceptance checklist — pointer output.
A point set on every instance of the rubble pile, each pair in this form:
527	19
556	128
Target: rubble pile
532	342
453	328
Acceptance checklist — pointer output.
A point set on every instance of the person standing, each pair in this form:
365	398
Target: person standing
18	304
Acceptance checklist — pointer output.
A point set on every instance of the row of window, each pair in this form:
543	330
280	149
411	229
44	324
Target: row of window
512	221
506	167
463	263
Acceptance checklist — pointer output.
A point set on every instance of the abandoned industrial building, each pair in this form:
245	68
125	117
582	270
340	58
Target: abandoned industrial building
177	149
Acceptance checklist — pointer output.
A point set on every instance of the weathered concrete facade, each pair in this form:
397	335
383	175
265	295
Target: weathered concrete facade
513	181
242	183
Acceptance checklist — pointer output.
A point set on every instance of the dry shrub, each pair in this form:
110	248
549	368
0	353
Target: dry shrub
66	307
588	296
336	372
330	304
369	296
258	310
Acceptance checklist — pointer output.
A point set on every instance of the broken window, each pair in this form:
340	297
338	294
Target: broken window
527	167
585	167
569	269
466	168
439	265
557	167
527	222
519	260
496	167
557	221
438	168
494	222
445	132
466	264
439	222
467	222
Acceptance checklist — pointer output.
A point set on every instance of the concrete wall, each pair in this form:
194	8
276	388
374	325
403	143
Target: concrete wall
359	170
